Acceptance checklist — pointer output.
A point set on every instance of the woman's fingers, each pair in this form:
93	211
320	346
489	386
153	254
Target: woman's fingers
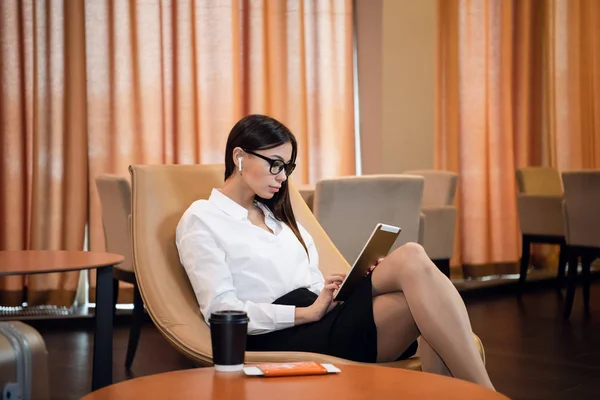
334	278
375	266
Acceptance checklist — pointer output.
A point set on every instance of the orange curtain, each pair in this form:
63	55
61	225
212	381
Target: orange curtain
573	83
92	86
43	174
517	85
168	79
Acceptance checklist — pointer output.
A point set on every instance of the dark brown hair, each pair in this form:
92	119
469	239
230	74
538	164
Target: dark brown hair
259	132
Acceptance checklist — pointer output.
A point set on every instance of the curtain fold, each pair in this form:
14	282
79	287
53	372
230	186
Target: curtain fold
15	147
517	85
574	82
44	169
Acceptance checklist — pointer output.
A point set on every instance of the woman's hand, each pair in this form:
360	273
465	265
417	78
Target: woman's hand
324	303
374	266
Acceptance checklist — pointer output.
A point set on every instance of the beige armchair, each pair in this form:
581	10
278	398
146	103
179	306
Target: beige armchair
348	209
539	205
115	200
582	229
308	194
160	196
439	211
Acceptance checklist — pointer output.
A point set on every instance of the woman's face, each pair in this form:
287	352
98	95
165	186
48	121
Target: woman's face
256	171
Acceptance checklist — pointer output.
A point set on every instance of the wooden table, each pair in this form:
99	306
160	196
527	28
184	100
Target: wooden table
354	382
29	262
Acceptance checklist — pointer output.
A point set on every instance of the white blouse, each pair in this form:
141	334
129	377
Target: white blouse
235	265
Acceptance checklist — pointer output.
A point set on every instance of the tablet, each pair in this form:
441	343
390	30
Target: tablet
378	246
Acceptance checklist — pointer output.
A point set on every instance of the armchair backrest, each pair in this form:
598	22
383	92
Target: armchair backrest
580	207
115	199
539	181
440	187
348	208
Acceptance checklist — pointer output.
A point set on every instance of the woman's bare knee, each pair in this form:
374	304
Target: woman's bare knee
405	264
411	259
411	250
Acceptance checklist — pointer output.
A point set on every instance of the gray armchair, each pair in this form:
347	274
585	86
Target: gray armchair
115	199
439	215
582	229
539	205
348	208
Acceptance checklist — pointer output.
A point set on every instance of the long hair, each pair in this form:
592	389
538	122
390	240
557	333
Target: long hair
259	132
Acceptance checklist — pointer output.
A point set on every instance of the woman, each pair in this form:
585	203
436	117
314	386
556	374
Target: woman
243	249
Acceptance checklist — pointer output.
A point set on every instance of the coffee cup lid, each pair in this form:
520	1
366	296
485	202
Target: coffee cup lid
229	316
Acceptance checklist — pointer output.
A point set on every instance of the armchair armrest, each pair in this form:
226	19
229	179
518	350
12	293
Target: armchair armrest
540	215
439	228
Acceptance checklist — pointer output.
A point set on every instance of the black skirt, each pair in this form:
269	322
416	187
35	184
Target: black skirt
348	331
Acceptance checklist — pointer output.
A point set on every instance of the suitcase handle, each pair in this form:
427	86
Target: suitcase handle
19	390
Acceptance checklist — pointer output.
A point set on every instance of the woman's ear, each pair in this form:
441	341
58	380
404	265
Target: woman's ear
238	157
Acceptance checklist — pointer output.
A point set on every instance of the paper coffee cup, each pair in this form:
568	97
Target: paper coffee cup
228	331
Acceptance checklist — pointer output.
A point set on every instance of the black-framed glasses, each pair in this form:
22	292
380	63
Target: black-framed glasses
275	165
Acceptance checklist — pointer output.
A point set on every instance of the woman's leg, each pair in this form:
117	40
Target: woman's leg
436	308
396	330
430	360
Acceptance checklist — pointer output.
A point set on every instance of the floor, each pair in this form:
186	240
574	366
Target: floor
532	353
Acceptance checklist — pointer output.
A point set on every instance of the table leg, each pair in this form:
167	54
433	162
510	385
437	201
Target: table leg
103	334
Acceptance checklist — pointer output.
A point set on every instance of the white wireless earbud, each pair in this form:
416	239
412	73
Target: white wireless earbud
240	163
